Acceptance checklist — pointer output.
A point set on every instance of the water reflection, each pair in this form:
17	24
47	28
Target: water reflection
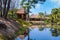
45	33
41	28
55	30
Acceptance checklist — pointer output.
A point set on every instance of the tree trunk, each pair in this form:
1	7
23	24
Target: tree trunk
1	8
28	9
4	10
12	13
27	17
7	9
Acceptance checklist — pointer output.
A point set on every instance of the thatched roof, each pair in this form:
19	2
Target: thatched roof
21	11
34	16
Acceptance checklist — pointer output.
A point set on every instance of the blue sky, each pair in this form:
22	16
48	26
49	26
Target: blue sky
47	6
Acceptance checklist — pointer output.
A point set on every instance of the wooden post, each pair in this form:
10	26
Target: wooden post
22	16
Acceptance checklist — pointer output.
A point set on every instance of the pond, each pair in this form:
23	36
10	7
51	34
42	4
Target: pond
44	33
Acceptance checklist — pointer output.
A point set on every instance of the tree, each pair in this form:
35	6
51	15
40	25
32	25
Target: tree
55	16
4	7
12	8
41	14
27	4
1	8
7	9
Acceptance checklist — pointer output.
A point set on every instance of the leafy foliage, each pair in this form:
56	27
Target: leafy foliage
41	14
55	16
29	3
24	27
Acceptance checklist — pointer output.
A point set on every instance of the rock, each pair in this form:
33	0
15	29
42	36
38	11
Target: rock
8	27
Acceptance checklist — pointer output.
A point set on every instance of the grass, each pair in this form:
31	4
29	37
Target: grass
24	27
24	24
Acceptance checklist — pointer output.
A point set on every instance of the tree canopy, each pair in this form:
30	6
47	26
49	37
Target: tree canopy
55	16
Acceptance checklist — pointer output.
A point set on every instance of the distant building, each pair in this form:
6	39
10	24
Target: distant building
34	17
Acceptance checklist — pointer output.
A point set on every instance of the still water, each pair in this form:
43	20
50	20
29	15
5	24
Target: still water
43	34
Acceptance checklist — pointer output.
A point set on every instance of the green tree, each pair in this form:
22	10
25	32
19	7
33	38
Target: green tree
12	8
41	14
27	4
5	6
55	16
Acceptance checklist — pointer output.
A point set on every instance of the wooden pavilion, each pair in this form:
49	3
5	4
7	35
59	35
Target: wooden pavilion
21	13
35	18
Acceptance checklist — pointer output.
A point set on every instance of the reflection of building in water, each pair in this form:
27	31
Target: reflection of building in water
41	29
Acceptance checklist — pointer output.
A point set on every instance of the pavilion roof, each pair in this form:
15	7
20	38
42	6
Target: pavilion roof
21	11
34	16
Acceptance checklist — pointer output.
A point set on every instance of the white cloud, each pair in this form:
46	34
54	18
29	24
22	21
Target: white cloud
38	5
56	1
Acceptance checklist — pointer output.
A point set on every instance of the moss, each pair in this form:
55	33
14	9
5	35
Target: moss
1	37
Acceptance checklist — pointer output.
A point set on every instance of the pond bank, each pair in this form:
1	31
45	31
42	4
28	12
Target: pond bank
51	34
8	28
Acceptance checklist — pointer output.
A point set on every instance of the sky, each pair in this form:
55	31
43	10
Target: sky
46	7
